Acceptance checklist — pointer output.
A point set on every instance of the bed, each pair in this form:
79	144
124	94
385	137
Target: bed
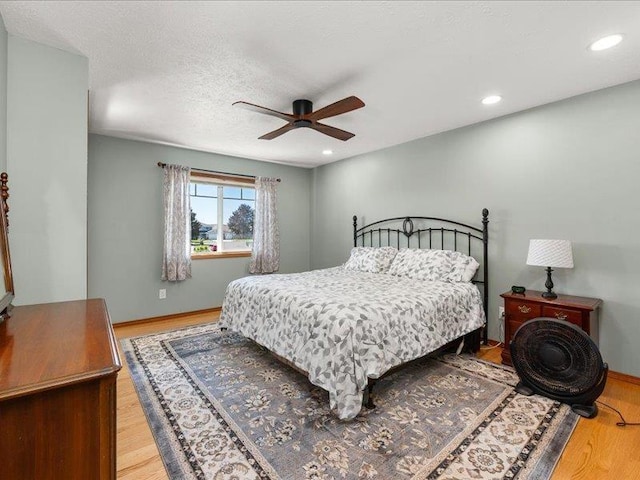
388	305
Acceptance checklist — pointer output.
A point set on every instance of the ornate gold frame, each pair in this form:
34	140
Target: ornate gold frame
7	296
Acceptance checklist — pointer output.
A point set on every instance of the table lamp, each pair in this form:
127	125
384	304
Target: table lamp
550	253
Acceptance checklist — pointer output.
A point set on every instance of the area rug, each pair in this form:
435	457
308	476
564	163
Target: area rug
222	407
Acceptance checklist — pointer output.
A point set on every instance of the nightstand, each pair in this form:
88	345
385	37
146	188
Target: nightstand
519	308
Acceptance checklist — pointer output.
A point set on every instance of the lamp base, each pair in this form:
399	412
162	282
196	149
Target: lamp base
549	284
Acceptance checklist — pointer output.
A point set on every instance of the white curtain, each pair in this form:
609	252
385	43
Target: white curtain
176	255
266	238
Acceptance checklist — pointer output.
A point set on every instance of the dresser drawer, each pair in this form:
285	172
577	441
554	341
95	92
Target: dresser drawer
521	311
573	316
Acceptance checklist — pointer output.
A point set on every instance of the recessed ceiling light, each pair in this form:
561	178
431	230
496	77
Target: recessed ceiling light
327	152
606	42
491	99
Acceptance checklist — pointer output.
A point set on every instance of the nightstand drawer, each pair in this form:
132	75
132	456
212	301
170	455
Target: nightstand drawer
573	316
523	310
513	326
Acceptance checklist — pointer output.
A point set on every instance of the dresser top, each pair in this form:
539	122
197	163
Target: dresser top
54	344
584	303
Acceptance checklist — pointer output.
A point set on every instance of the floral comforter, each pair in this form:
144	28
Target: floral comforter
343	327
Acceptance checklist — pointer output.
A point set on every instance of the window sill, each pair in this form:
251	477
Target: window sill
221	255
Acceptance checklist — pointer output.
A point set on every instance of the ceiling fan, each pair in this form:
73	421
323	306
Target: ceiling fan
304	116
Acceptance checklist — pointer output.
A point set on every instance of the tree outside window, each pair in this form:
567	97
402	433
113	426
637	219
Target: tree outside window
241	222
195	226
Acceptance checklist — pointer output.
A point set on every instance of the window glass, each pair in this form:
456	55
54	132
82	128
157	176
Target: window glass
249	193
206	190
232	207
232	192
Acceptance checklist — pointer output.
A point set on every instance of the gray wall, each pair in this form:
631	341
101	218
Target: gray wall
567	170
3	96
125	228
47	166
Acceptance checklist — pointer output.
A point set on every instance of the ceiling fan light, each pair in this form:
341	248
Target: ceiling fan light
491	99
606	42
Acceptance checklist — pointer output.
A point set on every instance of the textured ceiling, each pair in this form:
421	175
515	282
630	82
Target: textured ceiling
168	72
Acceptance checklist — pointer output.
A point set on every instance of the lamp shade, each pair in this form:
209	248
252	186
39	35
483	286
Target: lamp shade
550	253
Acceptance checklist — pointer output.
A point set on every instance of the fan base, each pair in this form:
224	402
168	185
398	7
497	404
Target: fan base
586	411
522	389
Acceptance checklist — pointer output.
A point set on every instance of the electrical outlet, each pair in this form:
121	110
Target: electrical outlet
500	312
162	293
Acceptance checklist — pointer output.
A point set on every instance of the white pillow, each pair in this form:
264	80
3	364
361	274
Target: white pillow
434	265
419	264
371	259
463	267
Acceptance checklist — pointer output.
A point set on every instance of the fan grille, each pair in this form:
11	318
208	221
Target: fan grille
556	356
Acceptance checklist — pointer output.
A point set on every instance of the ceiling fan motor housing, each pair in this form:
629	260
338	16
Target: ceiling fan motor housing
302	107
558	360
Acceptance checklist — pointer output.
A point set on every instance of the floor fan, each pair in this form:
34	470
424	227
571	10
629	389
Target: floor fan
558	360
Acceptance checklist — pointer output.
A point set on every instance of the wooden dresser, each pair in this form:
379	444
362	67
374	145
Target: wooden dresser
581	311
58	368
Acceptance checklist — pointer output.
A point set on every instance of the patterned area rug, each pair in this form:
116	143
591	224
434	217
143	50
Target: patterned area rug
222	407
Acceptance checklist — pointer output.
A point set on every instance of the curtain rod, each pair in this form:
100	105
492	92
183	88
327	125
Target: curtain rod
162	165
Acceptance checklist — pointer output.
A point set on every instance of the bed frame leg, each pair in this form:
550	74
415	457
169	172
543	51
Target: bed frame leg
472	341
367	399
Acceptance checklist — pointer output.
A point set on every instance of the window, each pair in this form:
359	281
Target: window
222	209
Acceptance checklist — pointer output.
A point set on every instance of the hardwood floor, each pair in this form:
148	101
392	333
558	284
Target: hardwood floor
598	449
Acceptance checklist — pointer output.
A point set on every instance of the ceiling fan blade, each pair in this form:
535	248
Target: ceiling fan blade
278	132
267	111
341	106
332	131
